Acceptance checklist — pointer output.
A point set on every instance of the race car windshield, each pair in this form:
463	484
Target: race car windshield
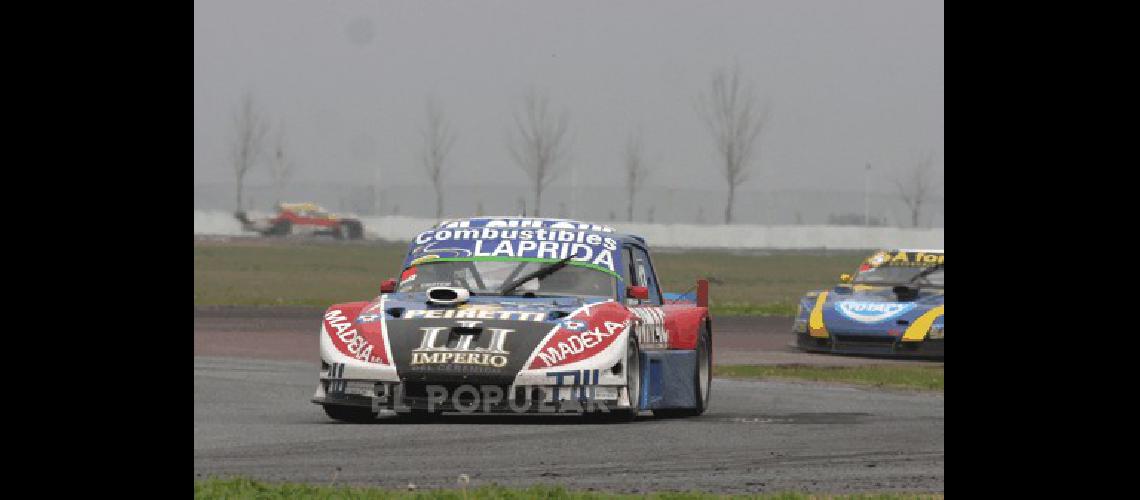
489	277
898	275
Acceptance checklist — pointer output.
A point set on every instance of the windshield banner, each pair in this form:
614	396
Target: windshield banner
904	259
536	240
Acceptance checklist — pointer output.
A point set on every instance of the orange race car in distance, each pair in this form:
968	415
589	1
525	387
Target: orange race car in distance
306	219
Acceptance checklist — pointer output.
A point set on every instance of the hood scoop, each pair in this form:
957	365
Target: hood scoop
446	295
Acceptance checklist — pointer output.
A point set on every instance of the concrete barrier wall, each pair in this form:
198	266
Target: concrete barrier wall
712	236
215	222
784	237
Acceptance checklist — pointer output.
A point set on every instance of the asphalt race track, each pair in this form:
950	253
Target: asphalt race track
253	417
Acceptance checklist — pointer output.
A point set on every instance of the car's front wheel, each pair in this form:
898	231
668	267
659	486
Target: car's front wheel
632	368
420	416
282	228
351	414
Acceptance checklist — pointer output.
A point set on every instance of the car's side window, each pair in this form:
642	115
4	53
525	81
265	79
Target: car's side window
645	276
628	274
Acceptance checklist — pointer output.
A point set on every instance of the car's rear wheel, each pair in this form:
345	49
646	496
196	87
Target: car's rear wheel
702	378
351	414
704	370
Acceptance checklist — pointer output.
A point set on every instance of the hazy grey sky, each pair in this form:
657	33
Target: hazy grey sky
848	82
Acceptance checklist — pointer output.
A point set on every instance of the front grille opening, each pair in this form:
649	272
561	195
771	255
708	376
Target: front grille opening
470	393
868	340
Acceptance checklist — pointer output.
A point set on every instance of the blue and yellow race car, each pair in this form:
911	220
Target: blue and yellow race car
894	305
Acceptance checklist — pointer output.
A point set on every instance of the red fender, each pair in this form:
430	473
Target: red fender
363	341
683	322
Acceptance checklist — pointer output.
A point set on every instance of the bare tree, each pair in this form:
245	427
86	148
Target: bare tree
280	167
635	169
248	142
914	189
438	140
540	145
731	112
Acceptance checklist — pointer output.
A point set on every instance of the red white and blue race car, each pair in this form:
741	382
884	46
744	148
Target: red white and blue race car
518	315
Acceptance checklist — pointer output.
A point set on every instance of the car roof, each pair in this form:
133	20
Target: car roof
301	206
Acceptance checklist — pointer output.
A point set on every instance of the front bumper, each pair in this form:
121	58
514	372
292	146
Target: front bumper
873	345
488	399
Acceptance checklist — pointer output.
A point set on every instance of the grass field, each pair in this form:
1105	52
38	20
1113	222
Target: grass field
247	488
898	376
264	272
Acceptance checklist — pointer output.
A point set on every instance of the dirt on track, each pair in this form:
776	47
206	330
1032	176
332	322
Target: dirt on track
290	334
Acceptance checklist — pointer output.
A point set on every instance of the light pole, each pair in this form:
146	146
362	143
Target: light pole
574	191
867	196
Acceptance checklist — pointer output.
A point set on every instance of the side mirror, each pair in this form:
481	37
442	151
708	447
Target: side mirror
637	292
388	286
844	278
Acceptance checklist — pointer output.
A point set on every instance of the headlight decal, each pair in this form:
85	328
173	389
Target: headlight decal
918	328
815	322
361	340
586	332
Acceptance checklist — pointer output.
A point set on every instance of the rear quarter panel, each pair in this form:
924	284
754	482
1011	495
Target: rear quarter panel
683	322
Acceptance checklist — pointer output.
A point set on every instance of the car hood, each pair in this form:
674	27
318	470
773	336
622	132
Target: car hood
486	340
867	309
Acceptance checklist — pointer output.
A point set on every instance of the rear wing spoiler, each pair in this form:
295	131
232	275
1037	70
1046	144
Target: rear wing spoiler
700	296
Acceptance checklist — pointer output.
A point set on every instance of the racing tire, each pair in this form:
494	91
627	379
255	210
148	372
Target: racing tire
632	367
702	379
419	416
350	414
283	228
353	230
